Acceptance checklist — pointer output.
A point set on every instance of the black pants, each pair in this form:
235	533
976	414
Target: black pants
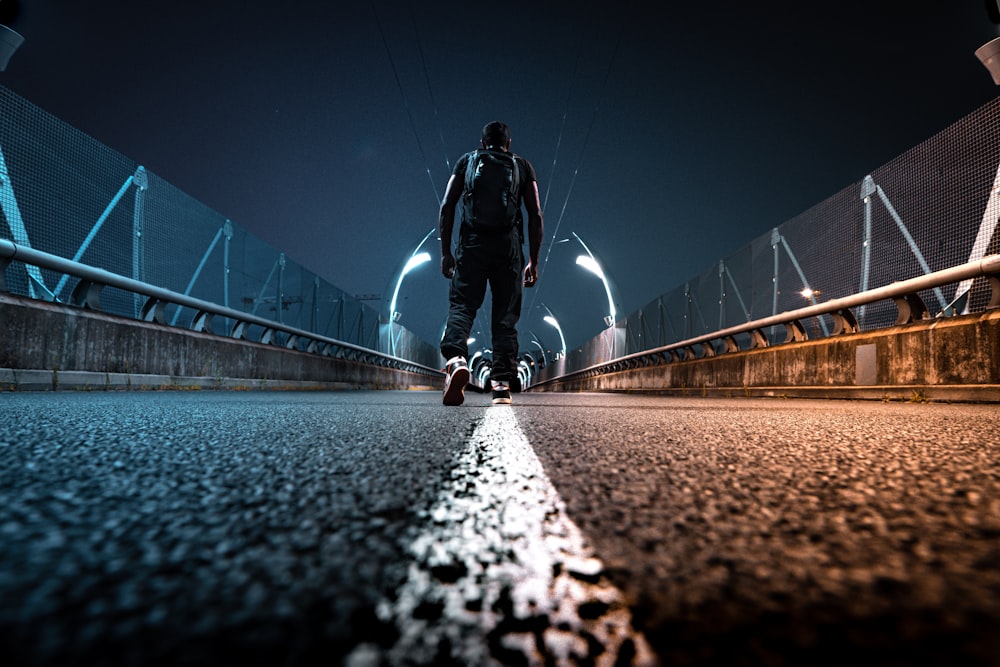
496	260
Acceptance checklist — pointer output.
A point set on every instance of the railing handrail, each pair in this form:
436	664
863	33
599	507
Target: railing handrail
904	292
10	251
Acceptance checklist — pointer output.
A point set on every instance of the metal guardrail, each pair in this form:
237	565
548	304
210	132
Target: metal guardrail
92	281
910	307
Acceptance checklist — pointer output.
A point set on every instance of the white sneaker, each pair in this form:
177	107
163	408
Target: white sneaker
454	385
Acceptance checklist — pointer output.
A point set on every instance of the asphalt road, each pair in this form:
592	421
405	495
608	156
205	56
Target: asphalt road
380	528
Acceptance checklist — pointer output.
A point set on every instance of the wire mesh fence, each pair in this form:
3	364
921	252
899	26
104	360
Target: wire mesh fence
933	207
65	193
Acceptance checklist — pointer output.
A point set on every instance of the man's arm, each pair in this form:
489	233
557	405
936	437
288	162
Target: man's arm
536	228
446	222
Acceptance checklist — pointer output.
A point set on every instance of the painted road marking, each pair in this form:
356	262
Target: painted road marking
502	575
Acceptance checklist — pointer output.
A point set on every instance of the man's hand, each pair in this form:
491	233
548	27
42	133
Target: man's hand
530	274
447	265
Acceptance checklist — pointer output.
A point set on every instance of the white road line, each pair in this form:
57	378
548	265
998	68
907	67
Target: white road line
501	574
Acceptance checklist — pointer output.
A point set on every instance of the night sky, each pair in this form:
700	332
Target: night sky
664	138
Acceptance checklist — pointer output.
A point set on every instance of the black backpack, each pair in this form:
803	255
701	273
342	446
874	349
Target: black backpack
491	201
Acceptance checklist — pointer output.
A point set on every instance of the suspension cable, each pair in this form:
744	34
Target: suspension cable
562	127
576	170
430	91
406	105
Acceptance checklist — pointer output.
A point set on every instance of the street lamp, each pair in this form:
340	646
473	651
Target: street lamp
590	263
549	319
541	349
412	263
416	258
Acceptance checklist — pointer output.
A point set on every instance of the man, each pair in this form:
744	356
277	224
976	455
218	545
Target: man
492	184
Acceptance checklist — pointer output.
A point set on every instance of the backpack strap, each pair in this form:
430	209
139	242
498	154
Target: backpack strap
515	185
470	171
515	195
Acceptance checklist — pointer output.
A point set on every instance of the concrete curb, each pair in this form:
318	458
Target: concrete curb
888	393
16	379
46	346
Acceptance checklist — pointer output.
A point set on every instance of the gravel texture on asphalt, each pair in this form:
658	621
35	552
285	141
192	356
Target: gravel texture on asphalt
197	528
777	532
208	528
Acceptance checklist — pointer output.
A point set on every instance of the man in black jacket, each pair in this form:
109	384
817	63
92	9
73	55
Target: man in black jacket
492	184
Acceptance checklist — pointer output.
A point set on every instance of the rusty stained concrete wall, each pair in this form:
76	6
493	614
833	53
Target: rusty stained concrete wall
54	346
946	359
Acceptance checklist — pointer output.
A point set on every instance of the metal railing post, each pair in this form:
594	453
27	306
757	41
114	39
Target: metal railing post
138	243
722	293
228	232
867	190
280	298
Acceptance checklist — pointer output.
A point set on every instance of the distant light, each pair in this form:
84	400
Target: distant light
809	292
470	341
551	320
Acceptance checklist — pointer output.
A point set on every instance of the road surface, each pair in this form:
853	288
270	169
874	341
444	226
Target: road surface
381	528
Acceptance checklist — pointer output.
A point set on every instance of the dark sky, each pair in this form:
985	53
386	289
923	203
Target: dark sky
664	138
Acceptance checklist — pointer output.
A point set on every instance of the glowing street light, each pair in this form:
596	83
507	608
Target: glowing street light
549	319
412	263
416	259
590	263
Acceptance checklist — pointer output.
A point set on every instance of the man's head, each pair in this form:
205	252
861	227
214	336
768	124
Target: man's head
496	135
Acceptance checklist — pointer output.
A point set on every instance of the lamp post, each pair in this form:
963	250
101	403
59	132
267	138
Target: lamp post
416	258
541	349
413	262
552	321
562	341
590	263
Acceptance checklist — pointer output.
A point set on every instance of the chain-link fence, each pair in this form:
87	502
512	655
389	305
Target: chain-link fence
933	207
64	193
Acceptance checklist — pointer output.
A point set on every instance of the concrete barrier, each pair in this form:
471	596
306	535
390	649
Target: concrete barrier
942	359
48	346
